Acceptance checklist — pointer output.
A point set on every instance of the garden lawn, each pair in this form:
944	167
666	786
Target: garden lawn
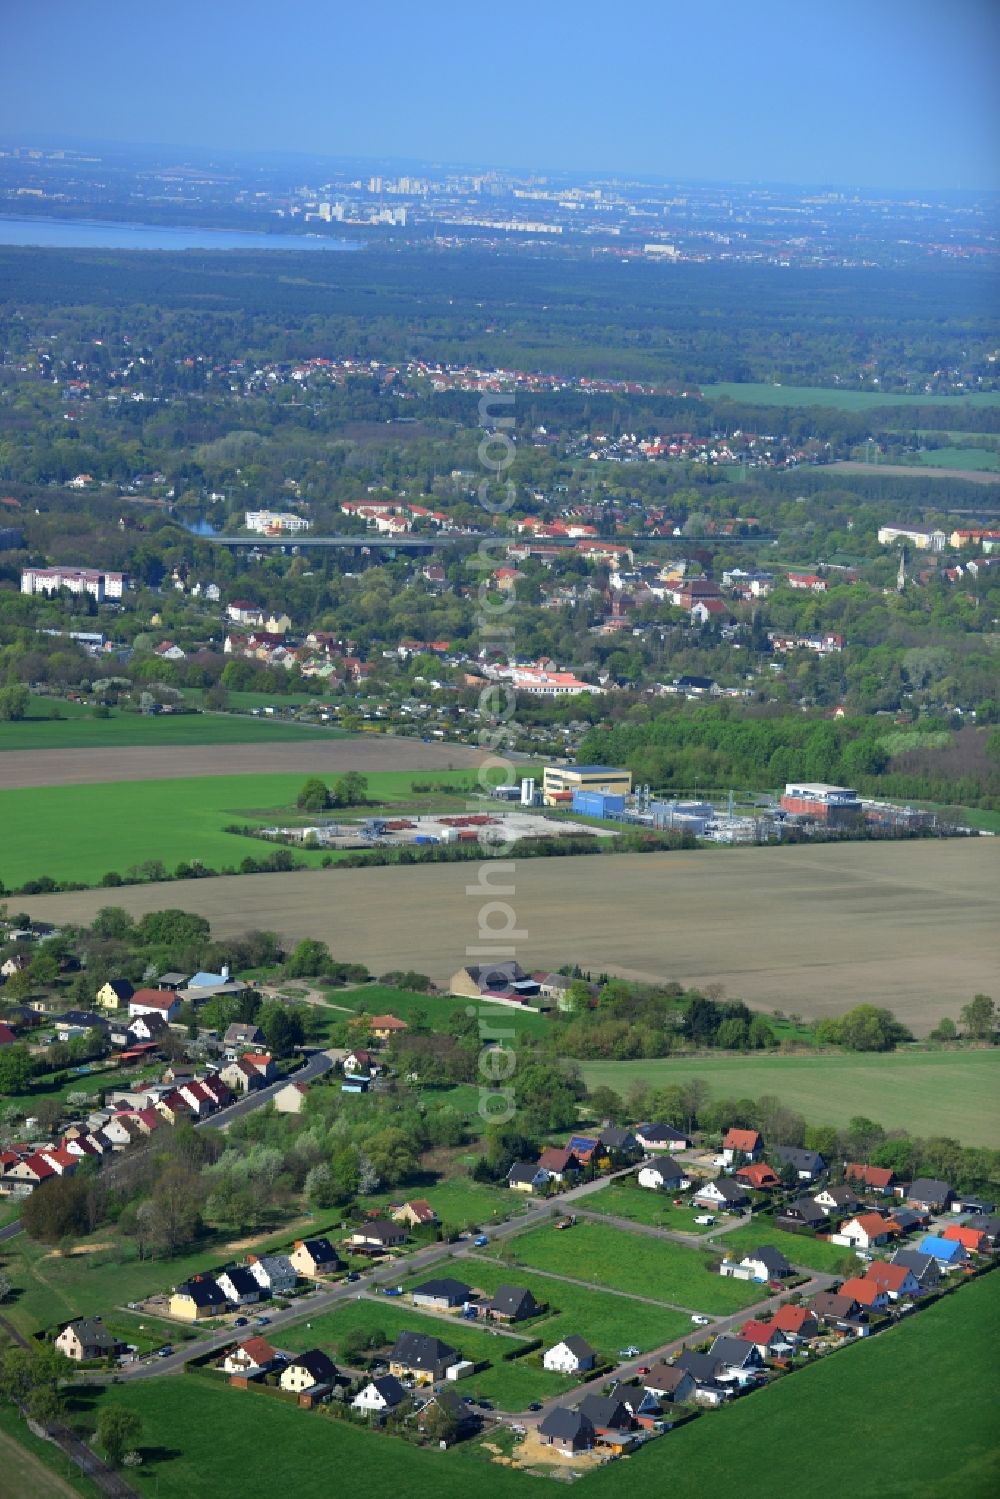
933	1382
798	1249
907	1089
607	1321
511	1385
657	1268
81	833
197	1436
458	1201
623	1199
495	1020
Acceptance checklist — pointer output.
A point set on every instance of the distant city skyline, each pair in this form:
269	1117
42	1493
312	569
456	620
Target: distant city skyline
900	95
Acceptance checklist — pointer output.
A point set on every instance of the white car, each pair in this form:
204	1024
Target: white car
705	1218
700	1320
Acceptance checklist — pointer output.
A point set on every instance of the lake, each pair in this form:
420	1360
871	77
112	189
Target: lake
86	234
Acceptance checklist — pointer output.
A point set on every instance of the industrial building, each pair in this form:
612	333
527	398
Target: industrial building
835	806
560	782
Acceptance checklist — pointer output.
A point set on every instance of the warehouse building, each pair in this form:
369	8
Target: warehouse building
837	806
560	782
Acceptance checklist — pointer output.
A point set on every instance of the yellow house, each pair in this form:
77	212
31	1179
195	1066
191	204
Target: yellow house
114	994
197	1298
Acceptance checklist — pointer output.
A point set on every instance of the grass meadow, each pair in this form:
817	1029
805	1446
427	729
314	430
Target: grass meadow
624	1199
843	400
659	1269
977	459
76	728
798	1249
926	1092
82	832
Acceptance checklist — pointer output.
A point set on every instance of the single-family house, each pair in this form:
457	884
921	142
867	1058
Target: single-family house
87	1338
844	1313
908	1220
765	1337
242	1077
660	1137
114	994
895	1280
420	1357
867	1293
619	1142
741	1142
526	1176
722	1193
795	1323
669	1382
866	1231
874	1178
664	1175
569	1432
511	1304
377	1236
924	1267
706	1370
570	1356
305	1370
197	1298
360	1062
928	1193
291	1098
947	1252
418	1213
764	1263
836	1200
611	1419
807	1164
987	1224
758	1176
441	1294
558	1164
274	1272
740	1357
239	1286
239	1037
250	1357
386	1027
315	1258
160	1002
802	1213
972	1239
380	1397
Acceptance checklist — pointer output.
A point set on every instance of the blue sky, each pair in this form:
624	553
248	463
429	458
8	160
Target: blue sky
893	93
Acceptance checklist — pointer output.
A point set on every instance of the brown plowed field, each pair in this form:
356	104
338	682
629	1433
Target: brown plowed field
913	926
76	767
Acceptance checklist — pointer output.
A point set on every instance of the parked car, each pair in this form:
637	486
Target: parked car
535	1405
240	1322
480	1240
642	1369
165	1351
629	1352
700	1320
705	1218
353	1275
392	1290
262	1322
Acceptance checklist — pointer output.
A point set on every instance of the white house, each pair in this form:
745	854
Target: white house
308	1369
379	1396
275	1272
248	1357
154	1002
865	1231
665	1176
570	1356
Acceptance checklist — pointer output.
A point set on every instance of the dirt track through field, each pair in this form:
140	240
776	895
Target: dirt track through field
814	930
77	767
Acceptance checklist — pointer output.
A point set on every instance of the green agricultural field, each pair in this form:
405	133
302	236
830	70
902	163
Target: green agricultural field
78	729
978	459
495	1020
920	1377
623	1199
511	1385
81	832
843	400
607	1321
798	1249
925	1092
657	1268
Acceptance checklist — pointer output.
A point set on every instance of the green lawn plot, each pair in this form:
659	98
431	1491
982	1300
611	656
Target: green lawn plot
93	1083
842	400
458	1201
907	1089
604	1255
81	832
496	1022
607	1321
623	1199
798	1249
80	730
34	1469
197	1435
511	1384
935	1378
975	459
